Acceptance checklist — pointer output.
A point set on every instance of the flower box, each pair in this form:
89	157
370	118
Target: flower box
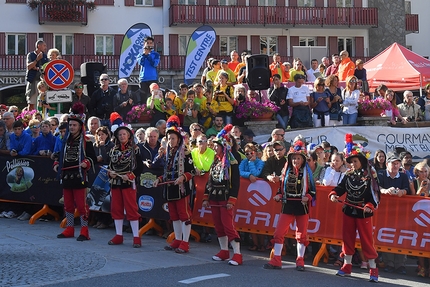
256	110
68	11
139	113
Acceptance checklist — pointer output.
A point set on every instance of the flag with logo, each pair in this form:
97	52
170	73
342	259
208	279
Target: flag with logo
199	45
131	47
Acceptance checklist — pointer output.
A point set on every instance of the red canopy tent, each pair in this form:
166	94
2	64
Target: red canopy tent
398	68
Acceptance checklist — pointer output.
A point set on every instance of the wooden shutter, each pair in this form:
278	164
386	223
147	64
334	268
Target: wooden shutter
253	2
215	47
16	1
89	45
358	3
359	46
31	41
128	2
331	3
117	42
320	41
49	40
292	3
213	2
173	44
319	3
104	2
158	43
282	45
280	3
2	43
158	3
332	45
239	2
294	41
79	44
255	45
172	2
242	44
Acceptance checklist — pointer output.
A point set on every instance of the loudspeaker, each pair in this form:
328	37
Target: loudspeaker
90	75
258	72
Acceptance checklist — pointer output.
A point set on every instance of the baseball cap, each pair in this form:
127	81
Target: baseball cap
280	143
3	107
391	156
249	133
224	61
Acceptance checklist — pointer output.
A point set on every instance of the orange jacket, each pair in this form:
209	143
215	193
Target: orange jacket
281	71
346	69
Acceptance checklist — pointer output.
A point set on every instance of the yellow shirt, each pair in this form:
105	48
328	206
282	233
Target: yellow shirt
203	161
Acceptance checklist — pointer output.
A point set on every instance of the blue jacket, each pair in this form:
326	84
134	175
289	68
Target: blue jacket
148	66
248	168
43	142
21	144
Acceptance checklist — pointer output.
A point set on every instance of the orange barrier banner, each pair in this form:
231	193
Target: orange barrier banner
402	223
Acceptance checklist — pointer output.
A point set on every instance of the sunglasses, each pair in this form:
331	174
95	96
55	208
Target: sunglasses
321	85
353	81
327	151
280	134
34	127
197	130
278	149
202	141
249	153
2	110
54	125
104	79
14	111
78	87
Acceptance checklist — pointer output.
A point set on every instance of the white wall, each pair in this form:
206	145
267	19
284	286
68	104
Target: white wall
420	42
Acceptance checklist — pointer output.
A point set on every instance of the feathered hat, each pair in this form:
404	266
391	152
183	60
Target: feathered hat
224	140
173	126
78	113
354	149
223	137
298	147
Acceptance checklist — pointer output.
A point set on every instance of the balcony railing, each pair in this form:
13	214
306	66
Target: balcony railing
169	63
268	15
412	23
67	13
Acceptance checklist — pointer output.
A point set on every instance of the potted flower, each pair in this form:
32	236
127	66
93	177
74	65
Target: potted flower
256	110
139	113
25	116
373	107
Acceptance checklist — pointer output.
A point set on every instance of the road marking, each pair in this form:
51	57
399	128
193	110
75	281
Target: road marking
201	278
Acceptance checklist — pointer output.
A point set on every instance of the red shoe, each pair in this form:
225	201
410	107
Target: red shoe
175	244
117	239
373	275
137	242
221	256
236	260
300	264
67	233
274	263
345	270
84	235
184	247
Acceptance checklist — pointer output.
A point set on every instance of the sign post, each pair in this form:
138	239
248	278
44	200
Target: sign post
59	75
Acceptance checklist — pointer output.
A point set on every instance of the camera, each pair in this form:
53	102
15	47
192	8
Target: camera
241	97
410	119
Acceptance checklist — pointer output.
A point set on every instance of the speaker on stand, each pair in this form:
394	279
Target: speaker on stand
90	75
257	72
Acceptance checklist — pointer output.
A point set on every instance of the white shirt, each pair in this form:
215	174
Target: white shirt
332	177
298	94
350	101
310	74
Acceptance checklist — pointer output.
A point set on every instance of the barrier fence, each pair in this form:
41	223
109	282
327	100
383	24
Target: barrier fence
401	225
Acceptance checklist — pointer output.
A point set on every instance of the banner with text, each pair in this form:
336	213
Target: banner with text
199	45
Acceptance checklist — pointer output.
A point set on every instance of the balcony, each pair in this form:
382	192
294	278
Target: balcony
268	15
412	24
64	13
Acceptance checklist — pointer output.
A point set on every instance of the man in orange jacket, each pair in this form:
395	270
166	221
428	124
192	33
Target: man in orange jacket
346	66
277	68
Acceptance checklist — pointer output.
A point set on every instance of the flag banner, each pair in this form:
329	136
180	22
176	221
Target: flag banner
198	48
131	47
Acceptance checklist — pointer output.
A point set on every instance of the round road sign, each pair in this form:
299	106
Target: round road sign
58	74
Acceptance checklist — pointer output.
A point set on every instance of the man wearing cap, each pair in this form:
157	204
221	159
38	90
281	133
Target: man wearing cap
297	190
272	169
394	183
362	198
75	159
225	68
248	137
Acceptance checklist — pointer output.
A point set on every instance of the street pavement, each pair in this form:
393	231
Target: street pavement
31	255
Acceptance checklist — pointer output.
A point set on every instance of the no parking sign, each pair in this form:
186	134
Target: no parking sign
59	74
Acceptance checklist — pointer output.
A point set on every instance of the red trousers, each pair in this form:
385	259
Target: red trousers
124	199
223	220
365	230
180	209
78	198
284	224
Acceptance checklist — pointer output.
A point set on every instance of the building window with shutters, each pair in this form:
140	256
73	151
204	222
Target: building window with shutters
64	44
227	44
306	3
308	41
183	42
268	45
143	2
104	45
346	44
16	44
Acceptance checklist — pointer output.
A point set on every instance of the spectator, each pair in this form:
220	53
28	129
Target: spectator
103	145
252	166
379	160
268	152
4	139
140	135
79	96
44	144
248	137
326	62
224	97
350	96
320	103
37	116
161	127
234	56
420	182
124	99
149	151
42	105
333	68
195	131
278	95
318	171
190	110
14	110
394	183
299	99
321	156
9	119
20	142
54	124
93	124
239	99
59	140
211	76
335	172
279	135
35	60
169	108
298	69
179	101
394	113
148	62
277	68
218	124
202	156
406	158
203	79
424	103
312	73
3	109
361	74
346	66
101	103
273	167
409	110
231	79
332	83
33	129
241	64
156	102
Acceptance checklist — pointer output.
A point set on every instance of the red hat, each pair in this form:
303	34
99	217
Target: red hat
3	107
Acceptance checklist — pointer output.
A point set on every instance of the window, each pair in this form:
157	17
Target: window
268	45
344	3
64	43
16	44
104	45
346	44
307	42
183	43
269	3
143	2
306	3
227	44
227	2
187	2
408	7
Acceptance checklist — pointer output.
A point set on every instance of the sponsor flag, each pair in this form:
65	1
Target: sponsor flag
198	48
131	47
